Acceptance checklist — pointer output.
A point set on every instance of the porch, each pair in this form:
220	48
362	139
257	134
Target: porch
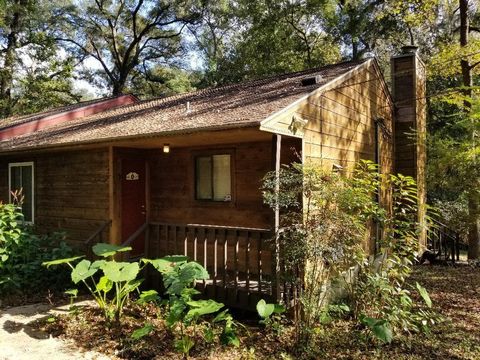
241	261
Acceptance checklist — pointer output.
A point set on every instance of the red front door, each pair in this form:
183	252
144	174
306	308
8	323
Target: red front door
133	201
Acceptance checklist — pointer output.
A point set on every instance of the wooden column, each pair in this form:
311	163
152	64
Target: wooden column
278	149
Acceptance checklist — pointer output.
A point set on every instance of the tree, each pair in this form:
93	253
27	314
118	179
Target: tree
364	25
250	39
127	37
29	58
454	169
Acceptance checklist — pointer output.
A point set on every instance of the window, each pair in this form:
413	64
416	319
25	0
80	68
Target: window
20	177
213	179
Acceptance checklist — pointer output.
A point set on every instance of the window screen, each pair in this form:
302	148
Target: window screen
21	178
213	177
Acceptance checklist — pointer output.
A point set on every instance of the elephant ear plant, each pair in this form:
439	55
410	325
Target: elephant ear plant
179	277
117	278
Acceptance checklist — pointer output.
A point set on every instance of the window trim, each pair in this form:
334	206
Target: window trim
211	152
22	164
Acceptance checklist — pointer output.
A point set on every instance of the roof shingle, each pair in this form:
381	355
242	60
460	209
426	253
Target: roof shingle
239	105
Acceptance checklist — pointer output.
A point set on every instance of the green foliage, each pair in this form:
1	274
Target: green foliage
179	278
22	253
112	290
147	329
379	327
325	238
270	314
34	75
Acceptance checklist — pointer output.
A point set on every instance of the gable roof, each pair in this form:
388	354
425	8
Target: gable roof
234	106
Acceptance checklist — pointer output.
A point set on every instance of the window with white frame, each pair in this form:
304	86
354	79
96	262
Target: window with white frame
20	178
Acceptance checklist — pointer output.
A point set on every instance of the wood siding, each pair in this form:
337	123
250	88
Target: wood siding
71	191
172	186
342	122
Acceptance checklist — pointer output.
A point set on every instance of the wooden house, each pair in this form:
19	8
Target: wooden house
181	175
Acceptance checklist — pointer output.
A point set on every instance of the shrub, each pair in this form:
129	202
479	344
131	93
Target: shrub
179	278
22	253
326	238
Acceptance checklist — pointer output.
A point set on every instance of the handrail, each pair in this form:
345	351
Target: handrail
203	226
97	232
135	235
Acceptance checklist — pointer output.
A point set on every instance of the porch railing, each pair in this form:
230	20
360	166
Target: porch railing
239	259
98	236
443	242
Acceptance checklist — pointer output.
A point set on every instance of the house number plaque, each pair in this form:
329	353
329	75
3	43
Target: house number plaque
132	176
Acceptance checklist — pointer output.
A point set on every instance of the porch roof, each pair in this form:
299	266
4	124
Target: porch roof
235	106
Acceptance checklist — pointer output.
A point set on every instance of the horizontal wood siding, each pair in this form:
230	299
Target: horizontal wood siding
341	127
172	186
342	123
71	191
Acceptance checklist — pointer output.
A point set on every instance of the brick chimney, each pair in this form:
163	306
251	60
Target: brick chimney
409	90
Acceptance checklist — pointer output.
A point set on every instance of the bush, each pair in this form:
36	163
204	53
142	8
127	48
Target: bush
22	253
326	239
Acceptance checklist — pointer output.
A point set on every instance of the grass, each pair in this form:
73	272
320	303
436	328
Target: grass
454	291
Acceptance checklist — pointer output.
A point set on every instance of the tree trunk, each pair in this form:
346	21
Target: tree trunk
473	201
6	75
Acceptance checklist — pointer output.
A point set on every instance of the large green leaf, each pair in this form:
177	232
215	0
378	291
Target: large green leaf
106	250
175	314
203	307
82	271
424	294
163	266
120	271
148	296
380	328
105	284
61	261
264	309
166	263
184	275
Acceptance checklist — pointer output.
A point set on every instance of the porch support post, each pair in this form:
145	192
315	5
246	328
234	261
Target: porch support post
278	149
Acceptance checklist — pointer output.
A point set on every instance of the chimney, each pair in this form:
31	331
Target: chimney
409	90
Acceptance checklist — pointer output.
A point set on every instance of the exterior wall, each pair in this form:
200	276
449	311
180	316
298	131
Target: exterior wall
71	191
342	122
172	185
342	126
409	89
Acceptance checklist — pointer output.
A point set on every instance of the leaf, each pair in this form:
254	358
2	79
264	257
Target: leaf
161	265
175	313
121	271
72	292
424	294
278	309
203	307
228	337
148	296
61	261
380	328
106	250
143	331
264	309
82	271
104	284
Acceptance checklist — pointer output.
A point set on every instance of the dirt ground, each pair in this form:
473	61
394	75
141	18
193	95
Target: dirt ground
455	292
19	340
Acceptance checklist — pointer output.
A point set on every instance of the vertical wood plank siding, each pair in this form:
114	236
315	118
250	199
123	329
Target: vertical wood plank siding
173	186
